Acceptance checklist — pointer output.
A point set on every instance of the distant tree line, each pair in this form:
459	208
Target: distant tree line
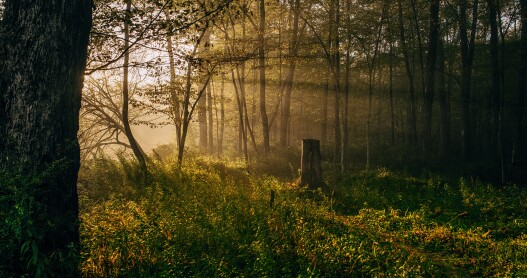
439	78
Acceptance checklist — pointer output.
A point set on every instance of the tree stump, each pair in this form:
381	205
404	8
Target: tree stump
311	169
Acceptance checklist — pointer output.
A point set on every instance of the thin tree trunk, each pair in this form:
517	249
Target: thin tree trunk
202	103
344	162
467	57
495	72
222	116
496	83
412	117
242	139
324	124
188	108
293	52
126	96
371	72
335	53
522	69
430	76
174	98
210	105
261	59
186	112
202	121
419	44
378	116
443	101
248	126
392	108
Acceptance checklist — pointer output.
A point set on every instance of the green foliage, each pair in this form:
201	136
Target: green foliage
26	224
213	219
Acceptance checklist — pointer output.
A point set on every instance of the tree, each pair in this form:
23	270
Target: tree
202	103
293	52
519	151
430	75
467	46
443	100
334	57
261	59
101	118
412	115
371	59
125	110
40	90
495	85
344	160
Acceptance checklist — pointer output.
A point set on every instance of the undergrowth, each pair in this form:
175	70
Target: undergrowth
215	219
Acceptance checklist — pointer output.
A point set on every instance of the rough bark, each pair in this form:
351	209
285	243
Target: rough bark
311	164
42	60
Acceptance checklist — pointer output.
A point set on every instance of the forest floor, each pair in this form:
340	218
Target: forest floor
214	219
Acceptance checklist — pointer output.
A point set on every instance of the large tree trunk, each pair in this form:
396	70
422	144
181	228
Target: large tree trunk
42	62
430	76
126	96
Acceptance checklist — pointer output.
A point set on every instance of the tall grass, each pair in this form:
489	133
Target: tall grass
214	219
